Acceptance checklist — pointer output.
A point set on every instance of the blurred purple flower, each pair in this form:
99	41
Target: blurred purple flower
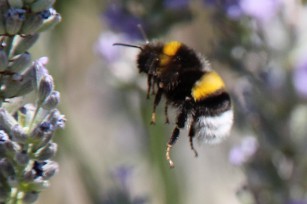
234	12
176	4
210	2
300	78
297	202
230	7
121	20
43	60
104	46
236	156
261	10
123	174
244	151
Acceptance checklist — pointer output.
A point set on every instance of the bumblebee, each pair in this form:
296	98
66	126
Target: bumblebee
187	82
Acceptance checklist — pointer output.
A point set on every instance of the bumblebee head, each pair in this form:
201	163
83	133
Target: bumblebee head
148	58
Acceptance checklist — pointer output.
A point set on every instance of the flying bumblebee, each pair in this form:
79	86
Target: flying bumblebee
188	83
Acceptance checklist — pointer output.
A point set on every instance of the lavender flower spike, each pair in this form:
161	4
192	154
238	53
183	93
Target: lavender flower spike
27	131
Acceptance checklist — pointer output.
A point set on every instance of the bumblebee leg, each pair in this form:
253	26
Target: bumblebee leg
166	112
156	103
191	136
153	89
179	124
149	84
170	144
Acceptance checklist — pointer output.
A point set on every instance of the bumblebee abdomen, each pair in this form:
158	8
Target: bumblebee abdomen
213	129
213	118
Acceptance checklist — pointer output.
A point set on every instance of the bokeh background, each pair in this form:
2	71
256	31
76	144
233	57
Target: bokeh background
110	154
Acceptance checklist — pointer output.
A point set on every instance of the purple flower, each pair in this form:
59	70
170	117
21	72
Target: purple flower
123	175
43	60
16	13
300	78
236	156
230	7
261	10
297	202
176	4
121	20
104	46
244	151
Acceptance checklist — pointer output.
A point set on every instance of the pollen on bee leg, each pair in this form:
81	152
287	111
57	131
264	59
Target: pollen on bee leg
168	157
153	118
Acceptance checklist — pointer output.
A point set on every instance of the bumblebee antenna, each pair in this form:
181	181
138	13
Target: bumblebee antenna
127	45
140	27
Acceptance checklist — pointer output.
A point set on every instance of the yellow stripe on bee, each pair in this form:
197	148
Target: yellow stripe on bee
207	85
169	50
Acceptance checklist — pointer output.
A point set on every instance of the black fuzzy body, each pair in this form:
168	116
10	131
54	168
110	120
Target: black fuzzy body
174	80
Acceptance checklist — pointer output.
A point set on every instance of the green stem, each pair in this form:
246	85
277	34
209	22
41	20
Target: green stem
33	119
13	199
9	44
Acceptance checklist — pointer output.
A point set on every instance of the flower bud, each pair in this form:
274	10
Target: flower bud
20	62
10	147
3	60
25	88
18	134
32	24
52	101
3	139
13	20
41	135
40	70
17	85
56	119
25	43
20	86
45	14
22	158
41	5
15	3
6	168
45	88
29	176
46	169
7	121
50	22
46	152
